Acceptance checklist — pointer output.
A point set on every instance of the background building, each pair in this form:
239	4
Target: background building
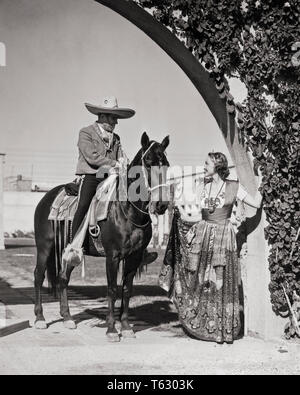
17	183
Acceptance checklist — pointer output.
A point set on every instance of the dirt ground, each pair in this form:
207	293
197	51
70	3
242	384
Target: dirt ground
160	347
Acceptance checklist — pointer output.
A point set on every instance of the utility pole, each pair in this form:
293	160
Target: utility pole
2	160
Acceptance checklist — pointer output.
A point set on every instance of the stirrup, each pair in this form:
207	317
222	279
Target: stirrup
94	231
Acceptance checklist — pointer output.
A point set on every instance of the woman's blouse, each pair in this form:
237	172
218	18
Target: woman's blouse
203	191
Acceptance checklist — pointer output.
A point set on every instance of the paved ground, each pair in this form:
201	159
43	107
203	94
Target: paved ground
161	347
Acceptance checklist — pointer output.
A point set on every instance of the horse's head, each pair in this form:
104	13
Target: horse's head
155	165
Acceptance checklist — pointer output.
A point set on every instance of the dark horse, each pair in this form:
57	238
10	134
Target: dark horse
125	235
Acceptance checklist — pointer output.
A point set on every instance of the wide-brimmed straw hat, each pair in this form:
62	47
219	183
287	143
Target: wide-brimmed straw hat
110	106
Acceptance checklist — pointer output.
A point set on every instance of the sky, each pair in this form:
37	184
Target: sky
61	54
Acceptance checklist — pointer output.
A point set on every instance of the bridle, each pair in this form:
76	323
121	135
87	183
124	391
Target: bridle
144	167
149	190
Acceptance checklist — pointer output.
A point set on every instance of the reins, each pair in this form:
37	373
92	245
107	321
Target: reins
137	208
133	223
149	190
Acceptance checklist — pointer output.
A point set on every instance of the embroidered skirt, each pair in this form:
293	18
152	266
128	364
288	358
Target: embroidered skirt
201	273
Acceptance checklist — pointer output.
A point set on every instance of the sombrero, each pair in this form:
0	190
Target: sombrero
110	106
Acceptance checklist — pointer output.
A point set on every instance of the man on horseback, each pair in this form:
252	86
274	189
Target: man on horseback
125	232
100	154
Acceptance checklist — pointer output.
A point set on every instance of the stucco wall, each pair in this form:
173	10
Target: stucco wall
19	210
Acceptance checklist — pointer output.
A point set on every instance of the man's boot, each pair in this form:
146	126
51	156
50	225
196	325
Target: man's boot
149	257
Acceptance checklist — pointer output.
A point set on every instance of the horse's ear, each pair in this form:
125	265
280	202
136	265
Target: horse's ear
165	143
145	141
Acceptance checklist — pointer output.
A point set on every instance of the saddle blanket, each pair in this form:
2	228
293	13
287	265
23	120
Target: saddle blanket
64	206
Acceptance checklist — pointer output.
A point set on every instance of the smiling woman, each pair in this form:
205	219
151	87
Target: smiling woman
201	268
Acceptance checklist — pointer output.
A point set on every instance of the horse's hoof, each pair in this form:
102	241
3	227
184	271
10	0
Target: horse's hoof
118	327
40	325
128	334
70	324
113	337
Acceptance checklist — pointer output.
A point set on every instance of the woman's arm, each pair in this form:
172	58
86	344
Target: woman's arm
253	201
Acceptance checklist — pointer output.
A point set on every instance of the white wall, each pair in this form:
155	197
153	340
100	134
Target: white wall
19	210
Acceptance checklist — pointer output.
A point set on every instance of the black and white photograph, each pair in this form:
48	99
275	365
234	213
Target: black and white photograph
149	190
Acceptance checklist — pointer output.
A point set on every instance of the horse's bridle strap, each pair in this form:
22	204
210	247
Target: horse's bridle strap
137	208
147	150
133	223
159	186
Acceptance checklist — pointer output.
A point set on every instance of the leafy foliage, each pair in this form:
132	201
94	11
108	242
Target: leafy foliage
255	41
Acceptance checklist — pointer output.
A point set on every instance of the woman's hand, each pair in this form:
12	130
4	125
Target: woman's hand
256	201
187	218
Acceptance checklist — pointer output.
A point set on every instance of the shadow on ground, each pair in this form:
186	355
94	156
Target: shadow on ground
144	314
25	295
13	243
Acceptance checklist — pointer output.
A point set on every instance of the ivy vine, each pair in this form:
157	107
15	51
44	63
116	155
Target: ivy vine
255	41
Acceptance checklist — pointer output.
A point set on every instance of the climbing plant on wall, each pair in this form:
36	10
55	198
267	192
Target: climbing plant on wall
257	42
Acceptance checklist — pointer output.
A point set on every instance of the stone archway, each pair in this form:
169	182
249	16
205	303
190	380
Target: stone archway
260	320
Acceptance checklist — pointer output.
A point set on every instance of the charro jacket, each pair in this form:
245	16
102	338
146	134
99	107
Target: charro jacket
94	151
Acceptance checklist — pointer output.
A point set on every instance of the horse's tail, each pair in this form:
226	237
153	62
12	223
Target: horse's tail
46	237
61	231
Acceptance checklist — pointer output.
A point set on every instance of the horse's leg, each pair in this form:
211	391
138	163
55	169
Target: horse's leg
39	277
127	331
112	265
64	279
131	265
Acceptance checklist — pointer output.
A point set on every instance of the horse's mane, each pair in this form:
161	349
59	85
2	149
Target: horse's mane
137	159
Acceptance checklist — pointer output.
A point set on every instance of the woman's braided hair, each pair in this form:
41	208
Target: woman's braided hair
221	164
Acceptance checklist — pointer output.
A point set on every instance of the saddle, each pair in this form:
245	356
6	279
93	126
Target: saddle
65	205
